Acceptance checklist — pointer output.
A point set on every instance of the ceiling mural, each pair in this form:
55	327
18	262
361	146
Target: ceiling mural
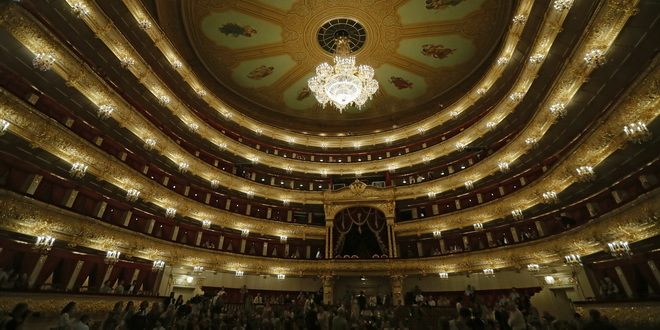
261	53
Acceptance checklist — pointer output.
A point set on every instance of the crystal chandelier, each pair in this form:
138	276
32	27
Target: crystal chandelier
489	273
437	234
4	125
78	170
281	276
132	195
344	84
444	276
637	132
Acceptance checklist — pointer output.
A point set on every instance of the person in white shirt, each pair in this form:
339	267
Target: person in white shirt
64	321
516	319
82	323
258	300
120	288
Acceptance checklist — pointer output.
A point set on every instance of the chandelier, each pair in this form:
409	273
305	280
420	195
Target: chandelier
198	270
489	273
43	244
533	268
620	249
158	266
343	84
573	260
111	257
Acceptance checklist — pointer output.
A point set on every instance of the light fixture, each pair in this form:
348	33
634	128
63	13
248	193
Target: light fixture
239	273
126	61
536	58
80	9
517	214
288	169
132	195
193	127
444	276
324	173
558	110
533	268
388	141
573	260
290	140
189	279
585	173
431	194
437	234
245	232
283	239
637	132
503	166
391	168
491	125
421	130
550	197
281	276
158	266
469	185
258	131
78	170
286	202
481	91
4	125
183	167
43	244
253	159
532	142
561	5
357	145
177	64
201	93
163	99
324	146
489	272
170	212
595	58
43	61
215	184
206	224
149	144
111	257
502	60
519	19
105	110
198	270
516	97
460	146
249	194
453	114
478	226
344	84
619	249
222	145
144	24
549	280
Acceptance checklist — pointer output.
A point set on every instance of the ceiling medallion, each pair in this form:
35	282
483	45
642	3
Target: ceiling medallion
344	83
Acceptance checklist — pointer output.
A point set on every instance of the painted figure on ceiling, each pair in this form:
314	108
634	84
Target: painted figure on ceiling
400	83
437	51
236	30
261	72
303	94
442	4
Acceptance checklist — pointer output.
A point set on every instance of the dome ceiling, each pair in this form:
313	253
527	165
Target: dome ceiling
258	55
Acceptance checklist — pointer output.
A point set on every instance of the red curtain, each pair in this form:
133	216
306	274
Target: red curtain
49	266
83	274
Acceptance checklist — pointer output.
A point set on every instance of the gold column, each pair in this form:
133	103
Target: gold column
328	289
397	289
329	225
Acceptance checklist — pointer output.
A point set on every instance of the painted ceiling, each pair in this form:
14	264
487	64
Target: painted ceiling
260	54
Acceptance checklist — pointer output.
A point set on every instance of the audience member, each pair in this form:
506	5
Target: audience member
113	319
65	321
82	323
596	323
